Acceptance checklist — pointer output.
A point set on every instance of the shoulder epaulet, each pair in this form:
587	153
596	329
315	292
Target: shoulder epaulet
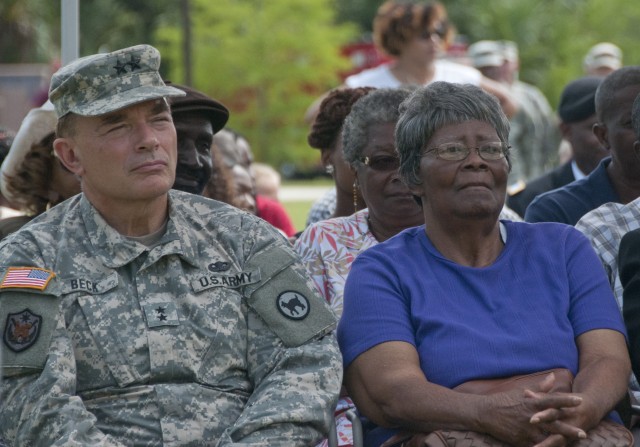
516	188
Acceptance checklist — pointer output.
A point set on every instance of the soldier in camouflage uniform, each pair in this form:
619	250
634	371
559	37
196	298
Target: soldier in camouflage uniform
136	315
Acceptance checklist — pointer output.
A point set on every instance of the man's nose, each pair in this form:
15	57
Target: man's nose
148	138
188	154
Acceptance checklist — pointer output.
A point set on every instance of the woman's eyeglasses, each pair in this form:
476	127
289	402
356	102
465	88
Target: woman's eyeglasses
458	152
383	163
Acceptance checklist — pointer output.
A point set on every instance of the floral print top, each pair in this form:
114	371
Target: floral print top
328	249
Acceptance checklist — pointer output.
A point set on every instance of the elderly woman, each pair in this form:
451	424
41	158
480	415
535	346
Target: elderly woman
468	296
329	247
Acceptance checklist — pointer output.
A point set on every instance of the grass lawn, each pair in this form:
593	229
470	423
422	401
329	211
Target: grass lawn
298	209
298	212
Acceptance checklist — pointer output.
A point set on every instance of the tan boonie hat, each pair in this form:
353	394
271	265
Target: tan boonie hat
101	83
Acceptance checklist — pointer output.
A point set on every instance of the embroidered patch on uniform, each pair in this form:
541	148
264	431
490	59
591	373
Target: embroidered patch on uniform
293	305
22	330
219	266
26	277
90	285
161	314
232	280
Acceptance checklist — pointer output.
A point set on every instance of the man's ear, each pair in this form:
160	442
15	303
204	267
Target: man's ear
600	131
68	155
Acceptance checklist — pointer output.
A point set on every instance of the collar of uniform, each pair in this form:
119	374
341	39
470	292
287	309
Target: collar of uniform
114	250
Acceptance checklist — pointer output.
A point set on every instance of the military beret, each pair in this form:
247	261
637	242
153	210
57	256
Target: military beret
101	83
196	101
577	101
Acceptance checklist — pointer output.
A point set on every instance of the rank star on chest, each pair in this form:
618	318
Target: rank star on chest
161	313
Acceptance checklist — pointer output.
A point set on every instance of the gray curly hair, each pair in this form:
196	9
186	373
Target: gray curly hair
437	105
378	107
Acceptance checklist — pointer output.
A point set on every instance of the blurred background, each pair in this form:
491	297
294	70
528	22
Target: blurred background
267	60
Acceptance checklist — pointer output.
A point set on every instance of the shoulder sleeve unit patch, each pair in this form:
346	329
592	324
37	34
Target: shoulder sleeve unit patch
26	278
290	308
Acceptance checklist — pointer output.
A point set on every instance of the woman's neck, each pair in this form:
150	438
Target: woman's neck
381	232
345	205
472	244
409	71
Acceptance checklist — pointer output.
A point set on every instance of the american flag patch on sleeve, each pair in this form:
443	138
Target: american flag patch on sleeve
26	277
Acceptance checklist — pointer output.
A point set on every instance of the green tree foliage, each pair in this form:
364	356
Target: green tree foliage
26	34
267	60
552	35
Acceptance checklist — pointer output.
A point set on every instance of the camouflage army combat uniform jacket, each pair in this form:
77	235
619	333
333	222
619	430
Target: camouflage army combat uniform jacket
212	337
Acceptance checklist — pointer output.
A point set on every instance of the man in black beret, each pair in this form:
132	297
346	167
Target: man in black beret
577	112
197	117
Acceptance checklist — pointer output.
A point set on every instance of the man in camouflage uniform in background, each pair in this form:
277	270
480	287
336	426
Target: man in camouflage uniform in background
136	315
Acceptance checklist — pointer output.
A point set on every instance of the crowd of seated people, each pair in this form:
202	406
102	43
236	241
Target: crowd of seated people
153	289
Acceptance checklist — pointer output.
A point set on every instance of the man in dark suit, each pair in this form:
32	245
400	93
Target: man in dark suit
577	111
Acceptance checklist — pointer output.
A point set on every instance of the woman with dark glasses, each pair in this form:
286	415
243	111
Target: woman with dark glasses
329	247
414	34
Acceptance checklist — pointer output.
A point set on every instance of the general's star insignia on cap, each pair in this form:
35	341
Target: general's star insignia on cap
134	63
120	68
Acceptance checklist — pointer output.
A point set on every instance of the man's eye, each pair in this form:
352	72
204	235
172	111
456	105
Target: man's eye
161	119
203	147
115	128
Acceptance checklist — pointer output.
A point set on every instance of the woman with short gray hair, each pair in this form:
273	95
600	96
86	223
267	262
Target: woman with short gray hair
470	298
442	105
369	148
329	247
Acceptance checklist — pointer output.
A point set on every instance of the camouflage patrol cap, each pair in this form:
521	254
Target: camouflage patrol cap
101	83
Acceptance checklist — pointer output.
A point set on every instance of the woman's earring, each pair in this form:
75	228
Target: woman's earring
355	196
329	169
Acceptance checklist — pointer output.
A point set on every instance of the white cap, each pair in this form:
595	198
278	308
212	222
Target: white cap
486	53
36	125
604	54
